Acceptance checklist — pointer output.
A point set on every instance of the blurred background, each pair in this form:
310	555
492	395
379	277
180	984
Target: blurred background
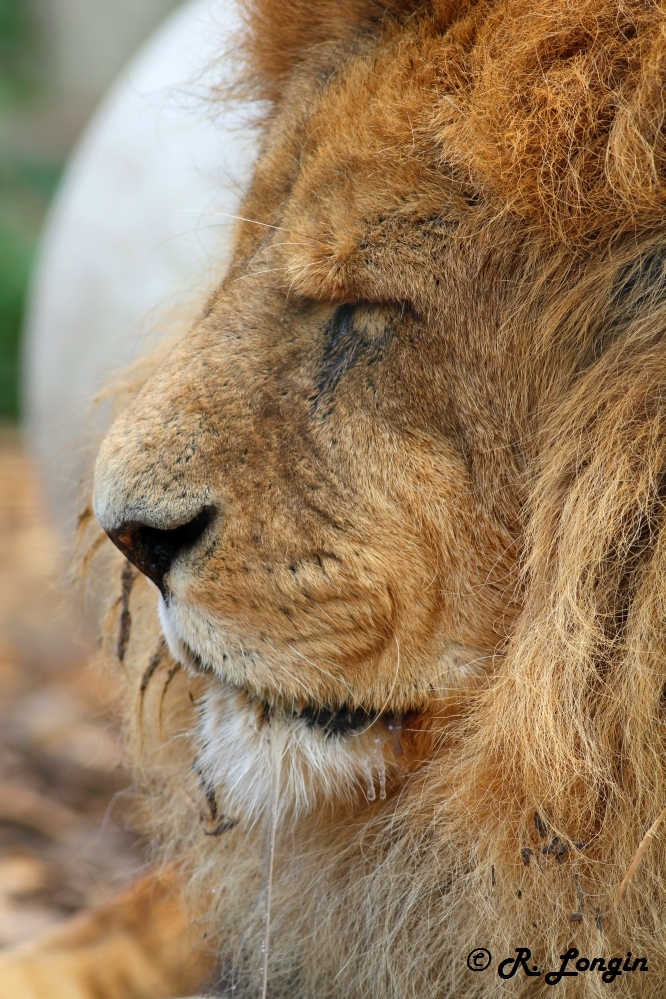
57	58
62	841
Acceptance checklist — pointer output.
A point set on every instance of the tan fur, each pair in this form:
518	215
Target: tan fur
452	512
140	946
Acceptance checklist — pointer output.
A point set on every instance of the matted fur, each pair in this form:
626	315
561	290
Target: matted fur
491	175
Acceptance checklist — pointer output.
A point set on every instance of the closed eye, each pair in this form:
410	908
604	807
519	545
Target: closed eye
340	348
358	331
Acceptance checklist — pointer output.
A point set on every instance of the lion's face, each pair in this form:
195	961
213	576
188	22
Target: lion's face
402	491
323	478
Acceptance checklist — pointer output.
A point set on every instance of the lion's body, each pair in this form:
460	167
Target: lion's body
418	443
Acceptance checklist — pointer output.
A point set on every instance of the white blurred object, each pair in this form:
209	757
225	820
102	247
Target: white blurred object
140	226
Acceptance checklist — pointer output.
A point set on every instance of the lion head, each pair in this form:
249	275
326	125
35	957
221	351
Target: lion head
400	494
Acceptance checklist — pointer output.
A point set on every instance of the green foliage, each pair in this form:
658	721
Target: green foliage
12	24
26	184
14	265
24	190
16	40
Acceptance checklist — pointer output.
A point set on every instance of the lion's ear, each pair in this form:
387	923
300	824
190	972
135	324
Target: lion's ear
283	33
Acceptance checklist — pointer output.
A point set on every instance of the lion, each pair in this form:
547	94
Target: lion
389	590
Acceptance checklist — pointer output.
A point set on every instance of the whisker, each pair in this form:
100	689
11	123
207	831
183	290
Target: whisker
388	698
320	668
148	674
240	218
251	274
170	675
266	225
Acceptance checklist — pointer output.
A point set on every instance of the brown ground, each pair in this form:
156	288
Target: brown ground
62	845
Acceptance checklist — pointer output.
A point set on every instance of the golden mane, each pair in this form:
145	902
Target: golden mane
556	111
534	791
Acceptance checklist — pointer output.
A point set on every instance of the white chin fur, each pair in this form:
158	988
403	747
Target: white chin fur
177	646
239	748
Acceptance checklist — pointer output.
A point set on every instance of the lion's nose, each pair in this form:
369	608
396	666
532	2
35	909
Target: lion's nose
153	550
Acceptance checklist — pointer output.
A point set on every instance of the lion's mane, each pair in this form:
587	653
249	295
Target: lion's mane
518	828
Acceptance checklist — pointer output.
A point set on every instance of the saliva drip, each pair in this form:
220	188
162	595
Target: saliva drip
395	728
276	760
369	778
374	760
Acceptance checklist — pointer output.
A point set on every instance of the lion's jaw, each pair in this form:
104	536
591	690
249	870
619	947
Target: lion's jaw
243	752
345	757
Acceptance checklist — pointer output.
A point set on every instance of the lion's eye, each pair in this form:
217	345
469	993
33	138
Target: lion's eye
340	348
355	332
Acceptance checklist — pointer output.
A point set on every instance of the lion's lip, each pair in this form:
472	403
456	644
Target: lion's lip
339	720
344	720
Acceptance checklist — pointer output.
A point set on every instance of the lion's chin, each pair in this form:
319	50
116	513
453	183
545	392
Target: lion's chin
244	749
343	755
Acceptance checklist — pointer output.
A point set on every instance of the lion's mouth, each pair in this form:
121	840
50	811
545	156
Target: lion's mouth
327	752
334	721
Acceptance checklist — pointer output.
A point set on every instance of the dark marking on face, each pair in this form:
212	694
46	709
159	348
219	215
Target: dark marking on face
169	677
354	332
154	663
224	825
340	348
540	826
644	280
211	799
129	575
342	721
557	848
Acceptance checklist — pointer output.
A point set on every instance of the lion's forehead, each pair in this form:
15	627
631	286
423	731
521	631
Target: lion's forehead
452	113
356	179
